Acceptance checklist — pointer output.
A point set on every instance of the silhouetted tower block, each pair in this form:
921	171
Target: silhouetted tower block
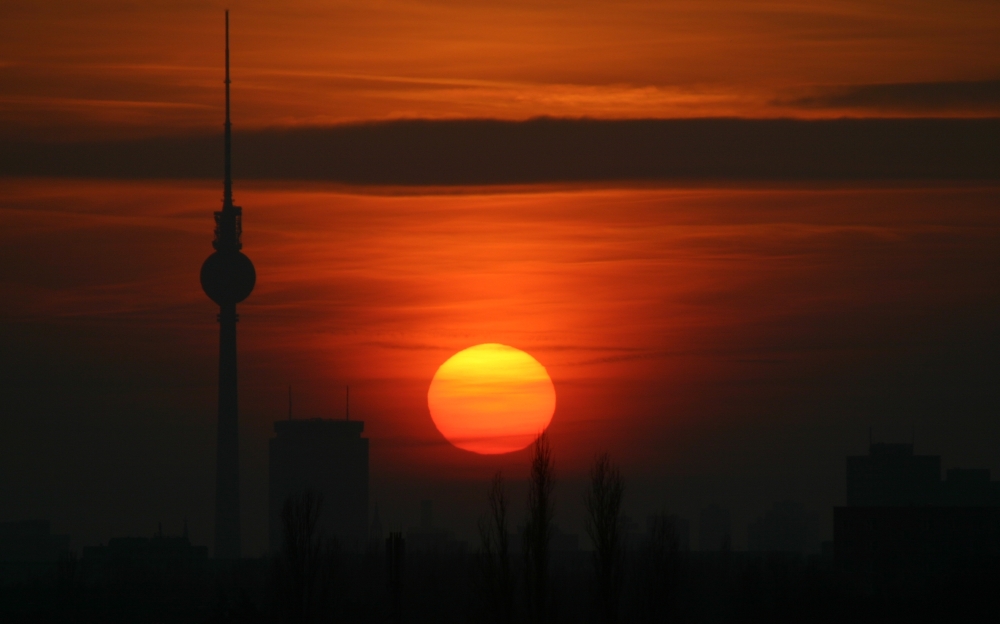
892	476
901	519
330	458
715	529
227	277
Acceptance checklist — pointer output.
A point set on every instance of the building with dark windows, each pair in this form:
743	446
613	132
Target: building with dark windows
329	458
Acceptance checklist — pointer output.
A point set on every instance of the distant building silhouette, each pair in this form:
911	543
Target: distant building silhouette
902	519
786	527
429	538
715	530
330	458
157	559
31	541
678	526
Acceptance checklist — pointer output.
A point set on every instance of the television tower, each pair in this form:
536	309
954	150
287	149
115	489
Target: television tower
227	277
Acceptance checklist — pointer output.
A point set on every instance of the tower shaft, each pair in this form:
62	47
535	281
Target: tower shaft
227	460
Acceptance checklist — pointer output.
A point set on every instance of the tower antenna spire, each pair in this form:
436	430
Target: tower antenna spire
227	193
347	404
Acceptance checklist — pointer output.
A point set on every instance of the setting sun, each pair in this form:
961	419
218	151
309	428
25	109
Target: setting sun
491	398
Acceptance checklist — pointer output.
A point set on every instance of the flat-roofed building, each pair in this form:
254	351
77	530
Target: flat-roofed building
329	458
892	476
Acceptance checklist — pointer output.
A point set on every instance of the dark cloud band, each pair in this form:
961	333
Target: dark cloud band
918	97
423	152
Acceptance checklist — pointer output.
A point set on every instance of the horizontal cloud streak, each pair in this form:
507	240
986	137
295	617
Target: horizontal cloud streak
919	97
425	152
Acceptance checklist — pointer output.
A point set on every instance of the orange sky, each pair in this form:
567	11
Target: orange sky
743	338
116	68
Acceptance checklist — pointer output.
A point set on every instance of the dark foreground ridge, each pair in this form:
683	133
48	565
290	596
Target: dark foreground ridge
458	152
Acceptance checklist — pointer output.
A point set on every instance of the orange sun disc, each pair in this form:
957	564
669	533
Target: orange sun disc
491	398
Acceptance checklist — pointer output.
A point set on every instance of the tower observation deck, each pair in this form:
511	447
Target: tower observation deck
227	277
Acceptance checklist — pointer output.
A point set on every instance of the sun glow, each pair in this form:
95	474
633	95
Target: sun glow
491	399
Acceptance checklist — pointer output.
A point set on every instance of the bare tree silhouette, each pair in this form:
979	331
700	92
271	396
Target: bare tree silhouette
494	553
538	531
305	568
604	527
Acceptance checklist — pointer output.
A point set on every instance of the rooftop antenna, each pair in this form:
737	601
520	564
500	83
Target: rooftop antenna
347	405
289	402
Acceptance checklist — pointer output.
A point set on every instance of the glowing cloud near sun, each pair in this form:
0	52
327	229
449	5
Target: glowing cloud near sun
491	398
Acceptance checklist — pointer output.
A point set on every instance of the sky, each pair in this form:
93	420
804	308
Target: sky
740	235
119	67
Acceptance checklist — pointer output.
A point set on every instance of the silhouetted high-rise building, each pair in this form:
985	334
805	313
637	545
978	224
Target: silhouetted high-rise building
227	277
902	519
891	475
715	529
330	458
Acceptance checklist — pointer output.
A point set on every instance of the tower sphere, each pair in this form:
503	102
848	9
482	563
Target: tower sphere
228	277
